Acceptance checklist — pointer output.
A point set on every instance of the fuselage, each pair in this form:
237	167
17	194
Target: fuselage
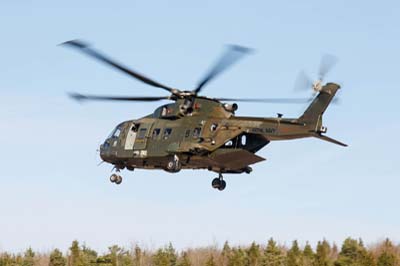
210	137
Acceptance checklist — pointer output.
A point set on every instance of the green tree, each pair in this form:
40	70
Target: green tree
75	256
353	253
387	257
7	260
273	255
253	254
119	256
210	261
57	258
238	257
165	256
226	250
308	255
104	261
322	254
294	255
87	256
29	258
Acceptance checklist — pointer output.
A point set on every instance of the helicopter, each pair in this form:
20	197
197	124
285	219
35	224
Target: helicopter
199	132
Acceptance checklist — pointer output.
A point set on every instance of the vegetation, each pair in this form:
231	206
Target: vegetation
353	252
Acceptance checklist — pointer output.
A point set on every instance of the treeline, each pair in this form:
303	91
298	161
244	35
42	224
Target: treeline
353	252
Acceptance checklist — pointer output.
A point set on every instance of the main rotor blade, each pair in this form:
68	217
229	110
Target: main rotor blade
85	48
268	100
231	55
82	97
335	101
328	61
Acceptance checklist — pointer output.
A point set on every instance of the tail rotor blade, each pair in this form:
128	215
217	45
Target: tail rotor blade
303	82
328	61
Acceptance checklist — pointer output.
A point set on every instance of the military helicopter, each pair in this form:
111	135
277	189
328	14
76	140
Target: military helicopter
198	132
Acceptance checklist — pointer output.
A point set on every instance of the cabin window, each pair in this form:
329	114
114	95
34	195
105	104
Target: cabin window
196	132
167	133
243	140
142	133
229	143
187	133
156	133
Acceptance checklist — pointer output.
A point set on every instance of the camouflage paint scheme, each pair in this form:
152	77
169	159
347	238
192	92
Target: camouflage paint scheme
209	137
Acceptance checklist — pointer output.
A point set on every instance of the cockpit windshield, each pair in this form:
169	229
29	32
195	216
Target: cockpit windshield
116	132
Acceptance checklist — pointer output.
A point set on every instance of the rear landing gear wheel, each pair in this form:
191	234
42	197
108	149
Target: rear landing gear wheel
173	165
219	183
222	185
215	183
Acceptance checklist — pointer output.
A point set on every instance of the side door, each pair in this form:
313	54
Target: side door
131	136
142	136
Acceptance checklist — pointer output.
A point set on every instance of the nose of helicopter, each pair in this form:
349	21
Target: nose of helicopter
104	150
108	147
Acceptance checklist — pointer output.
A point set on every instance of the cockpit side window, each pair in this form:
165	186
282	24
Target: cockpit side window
142	133
117	133
163	111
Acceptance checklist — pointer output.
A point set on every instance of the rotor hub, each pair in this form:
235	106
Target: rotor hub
317	86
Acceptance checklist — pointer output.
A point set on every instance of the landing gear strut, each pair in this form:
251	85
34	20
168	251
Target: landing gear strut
116	178
219	183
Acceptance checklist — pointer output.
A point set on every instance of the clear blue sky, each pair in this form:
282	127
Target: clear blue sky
53	192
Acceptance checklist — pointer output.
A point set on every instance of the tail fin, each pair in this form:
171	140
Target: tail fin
313	114
318	106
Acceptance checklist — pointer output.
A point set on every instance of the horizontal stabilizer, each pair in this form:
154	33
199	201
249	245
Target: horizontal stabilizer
326	138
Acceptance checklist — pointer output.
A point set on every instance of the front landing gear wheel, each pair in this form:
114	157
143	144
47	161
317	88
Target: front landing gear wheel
119	180
219	183
113	178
